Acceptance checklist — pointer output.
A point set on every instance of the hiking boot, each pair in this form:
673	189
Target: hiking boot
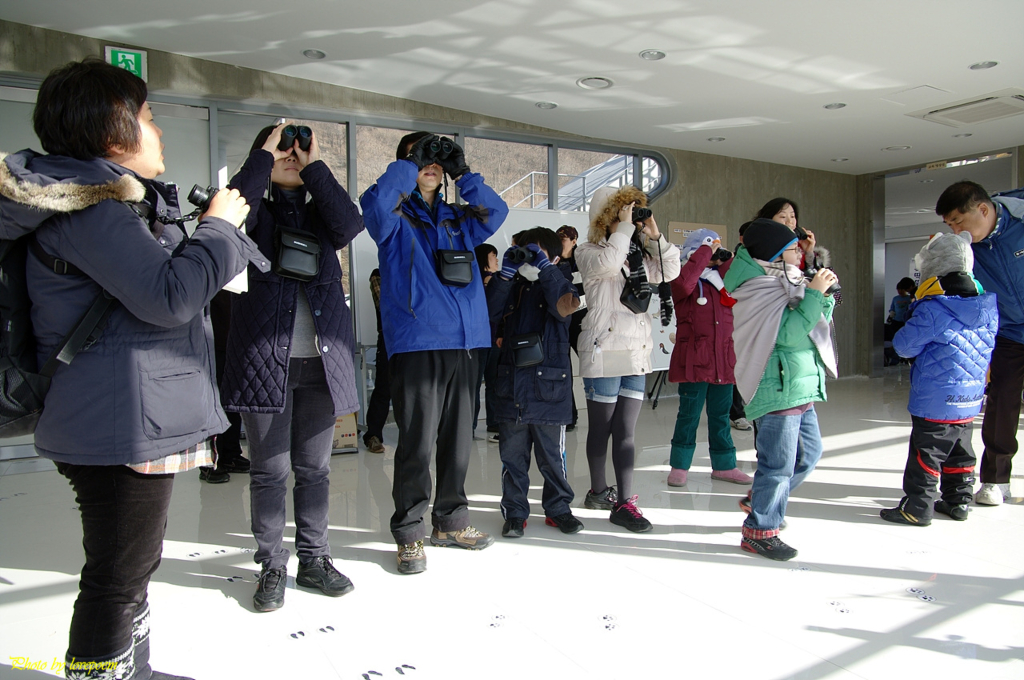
898	515
238	464
677	477
629	516
411	559
321	574
957	512
603	500
773	548
374	445
567	523
270	590
212	475
735	475
468	538
514	528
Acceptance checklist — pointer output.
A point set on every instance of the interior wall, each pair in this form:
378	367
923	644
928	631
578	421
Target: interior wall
708	189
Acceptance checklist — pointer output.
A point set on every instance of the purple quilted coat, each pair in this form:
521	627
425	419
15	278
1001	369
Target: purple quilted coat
259	344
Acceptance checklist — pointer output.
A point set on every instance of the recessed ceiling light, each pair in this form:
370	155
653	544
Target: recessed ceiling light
982	65
896	148
963	134
840	160
313	54
652	55
925	181
716	139
595	83
834	105
546	105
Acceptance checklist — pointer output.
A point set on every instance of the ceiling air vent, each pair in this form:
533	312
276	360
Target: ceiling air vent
994	106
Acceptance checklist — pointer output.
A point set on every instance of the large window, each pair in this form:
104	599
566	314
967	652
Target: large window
518	172
581	173
376	147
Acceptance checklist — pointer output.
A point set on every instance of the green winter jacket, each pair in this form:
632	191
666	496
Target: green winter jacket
795	374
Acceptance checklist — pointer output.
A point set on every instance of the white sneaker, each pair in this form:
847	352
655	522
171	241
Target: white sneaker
742	424
992	494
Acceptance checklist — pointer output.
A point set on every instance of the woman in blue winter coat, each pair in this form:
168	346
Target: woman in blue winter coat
289	358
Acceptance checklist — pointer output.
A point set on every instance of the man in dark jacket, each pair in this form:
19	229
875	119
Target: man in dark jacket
432	329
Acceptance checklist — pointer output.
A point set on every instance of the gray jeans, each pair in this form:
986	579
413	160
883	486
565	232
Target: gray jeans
298	440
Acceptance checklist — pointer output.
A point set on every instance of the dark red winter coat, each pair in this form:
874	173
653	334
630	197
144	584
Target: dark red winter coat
703	351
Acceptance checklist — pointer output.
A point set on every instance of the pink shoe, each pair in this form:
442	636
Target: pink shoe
677	477
735	475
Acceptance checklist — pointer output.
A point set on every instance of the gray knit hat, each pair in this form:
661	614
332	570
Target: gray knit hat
945	254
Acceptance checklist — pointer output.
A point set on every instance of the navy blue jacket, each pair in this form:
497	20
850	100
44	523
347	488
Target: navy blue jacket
952	338
146	388
419	312
262	320
542	394
999	265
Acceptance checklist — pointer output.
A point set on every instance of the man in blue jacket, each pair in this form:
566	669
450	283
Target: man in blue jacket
434	318
996	226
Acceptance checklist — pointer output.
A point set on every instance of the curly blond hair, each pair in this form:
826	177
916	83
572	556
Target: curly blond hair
609	215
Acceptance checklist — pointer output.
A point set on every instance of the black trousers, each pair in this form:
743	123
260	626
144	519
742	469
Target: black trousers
380	399
228	442
940	454
1002	411
432	393
737	410
124	515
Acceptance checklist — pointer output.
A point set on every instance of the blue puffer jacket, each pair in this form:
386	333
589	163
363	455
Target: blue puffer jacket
419	312
999	265
541	394
262	320
146	388
952	338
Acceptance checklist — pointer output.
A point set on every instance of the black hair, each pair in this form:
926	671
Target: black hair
261	138
519	234
907	284
482	251
86	107
548	240
772	207
403	145
963	197
743	228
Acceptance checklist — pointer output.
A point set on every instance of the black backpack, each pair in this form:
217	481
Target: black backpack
23	385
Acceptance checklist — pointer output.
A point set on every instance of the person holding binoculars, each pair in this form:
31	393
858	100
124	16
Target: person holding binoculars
623	252
290	369
434	317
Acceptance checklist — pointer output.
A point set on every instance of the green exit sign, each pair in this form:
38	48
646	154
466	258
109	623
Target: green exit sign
129	60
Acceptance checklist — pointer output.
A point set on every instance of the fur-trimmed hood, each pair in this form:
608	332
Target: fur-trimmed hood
608	214
33	187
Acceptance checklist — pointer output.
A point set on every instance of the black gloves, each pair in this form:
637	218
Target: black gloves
454	163
420	154
440	150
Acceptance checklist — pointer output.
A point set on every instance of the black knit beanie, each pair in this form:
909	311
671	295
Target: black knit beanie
766	239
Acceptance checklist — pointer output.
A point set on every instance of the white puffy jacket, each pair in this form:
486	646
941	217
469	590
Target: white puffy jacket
615	341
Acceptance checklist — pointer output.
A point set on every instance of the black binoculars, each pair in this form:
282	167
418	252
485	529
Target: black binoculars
522	255
200	197
800	233
810	273
641	214
722	255
440	147
290	133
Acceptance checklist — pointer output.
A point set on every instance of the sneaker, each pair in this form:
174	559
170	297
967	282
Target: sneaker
212	475
238	464
514	528
898	515
321	574
493	438
677	477
629	516
773	548
992	494
270	590
741	424
957	512
468	538
411	558
603	500
735	475
567	523
374	444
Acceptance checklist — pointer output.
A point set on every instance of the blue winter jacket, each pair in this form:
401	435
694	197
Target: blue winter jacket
541	394
999	265
417	311
952	338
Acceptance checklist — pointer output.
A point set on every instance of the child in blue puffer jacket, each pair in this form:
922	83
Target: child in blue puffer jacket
952	331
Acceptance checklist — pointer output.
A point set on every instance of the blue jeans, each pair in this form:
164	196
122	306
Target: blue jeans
548	444
788	448
608	390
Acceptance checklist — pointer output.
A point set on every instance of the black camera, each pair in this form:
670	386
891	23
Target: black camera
832	290
440	147
641	214
200	197
722	255
522	255
291	133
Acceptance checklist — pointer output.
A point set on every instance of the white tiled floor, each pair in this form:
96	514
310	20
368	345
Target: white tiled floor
864	599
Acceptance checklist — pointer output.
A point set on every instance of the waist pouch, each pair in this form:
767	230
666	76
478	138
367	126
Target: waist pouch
455	267
298	255
527	350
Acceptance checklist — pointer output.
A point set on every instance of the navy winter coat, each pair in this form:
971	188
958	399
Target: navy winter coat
999	265
952	338
419	312
146	388
541	394
262	320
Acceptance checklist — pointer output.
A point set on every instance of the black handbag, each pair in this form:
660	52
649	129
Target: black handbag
455	267
298	255
527	350
634	302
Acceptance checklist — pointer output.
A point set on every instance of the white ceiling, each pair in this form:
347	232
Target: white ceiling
757	73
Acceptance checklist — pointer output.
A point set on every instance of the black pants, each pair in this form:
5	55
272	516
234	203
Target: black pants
1002	411
124	515
940	454
228	442
737	410
380	399
432	393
